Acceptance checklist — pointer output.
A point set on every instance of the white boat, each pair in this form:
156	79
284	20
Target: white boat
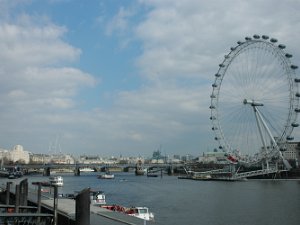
142	213
139	212
97	198
56	181
107	176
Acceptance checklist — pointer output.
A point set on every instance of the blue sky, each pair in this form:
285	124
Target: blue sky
122	77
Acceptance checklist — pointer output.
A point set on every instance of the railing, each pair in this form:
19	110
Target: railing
255	173
25	218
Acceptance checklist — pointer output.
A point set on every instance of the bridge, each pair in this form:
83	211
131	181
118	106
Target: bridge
96	166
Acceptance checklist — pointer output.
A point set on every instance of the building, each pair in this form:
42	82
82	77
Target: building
62	159
157	157
40	158
213	157
17	154
292	152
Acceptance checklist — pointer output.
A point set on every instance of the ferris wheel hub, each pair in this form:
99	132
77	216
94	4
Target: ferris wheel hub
252	102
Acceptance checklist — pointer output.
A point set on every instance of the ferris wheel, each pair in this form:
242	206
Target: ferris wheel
255	100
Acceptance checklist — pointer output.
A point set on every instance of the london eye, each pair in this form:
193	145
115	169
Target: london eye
255	100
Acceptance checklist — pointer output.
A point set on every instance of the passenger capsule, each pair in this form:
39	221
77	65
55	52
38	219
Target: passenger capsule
298	94
212	96
294	67
226	57
216	138
248	38
266	37
288	55
297	80
217	75
289	138
295	124
220	147
273	40
256	36
214	128
281	46
232	48
212	107
239	42
214	85
297	110
221	65
212	118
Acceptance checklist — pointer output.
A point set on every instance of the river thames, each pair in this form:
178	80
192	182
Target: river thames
187	202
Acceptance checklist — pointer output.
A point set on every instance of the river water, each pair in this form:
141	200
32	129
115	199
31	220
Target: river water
187	202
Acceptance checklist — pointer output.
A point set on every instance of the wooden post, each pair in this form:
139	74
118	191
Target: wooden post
55	205
8	192
17	198
23	192
82	214
39	201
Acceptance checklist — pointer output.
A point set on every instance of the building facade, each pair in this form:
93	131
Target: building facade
17	154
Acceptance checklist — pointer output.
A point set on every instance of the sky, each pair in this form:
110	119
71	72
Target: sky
110	77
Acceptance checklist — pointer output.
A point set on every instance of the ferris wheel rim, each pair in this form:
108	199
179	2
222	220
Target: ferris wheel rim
289	69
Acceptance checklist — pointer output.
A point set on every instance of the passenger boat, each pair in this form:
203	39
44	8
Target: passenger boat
139	212
97	198
56	181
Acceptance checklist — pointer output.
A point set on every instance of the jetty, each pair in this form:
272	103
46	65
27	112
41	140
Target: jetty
21	205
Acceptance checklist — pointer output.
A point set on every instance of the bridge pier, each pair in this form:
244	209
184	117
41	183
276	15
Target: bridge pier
170	170
77	171
46	171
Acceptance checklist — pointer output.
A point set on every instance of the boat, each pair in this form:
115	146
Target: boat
152	175
201	176
56	181
11	176
139	212
107	175
97	198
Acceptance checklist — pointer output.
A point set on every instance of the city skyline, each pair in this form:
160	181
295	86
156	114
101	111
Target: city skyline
123	77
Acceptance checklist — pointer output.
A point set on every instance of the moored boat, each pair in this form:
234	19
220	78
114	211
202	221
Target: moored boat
97	198
139	212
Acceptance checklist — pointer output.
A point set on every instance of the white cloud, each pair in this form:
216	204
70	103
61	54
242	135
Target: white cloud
37	87
120	21
29	45
188	38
